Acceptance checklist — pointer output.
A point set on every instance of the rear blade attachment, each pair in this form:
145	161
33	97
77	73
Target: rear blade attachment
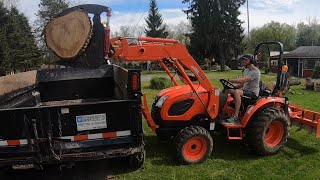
304	119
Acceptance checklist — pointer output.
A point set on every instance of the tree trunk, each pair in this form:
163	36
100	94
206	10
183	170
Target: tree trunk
67	36
17	81
222	58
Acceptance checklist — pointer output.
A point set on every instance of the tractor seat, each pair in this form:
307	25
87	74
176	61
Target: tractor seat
246	100
262	93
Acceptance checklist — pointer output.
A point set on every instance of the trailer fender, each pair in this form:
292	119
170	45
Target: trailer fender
263	102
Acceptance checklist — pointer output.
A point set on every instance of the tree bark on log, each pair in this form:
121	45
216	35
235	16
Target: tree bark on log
18	81
68	36
294	81
317	85
309	84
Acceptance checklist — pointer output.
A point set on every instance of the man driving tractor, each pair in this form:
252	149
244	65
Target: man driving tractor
246	86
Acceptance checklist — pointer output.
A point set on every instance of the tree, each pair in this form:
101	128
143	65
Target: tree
4	17
23	52
154	22
217	31
48	9
129	31
18	50
180	32
30	56
308	34
10	3
273	31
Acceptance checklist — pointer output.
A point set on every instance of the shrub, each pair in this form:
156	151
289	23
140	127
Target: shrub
160	83
266	70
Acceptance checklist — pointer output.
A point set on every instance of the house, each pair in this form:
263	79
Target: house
273	60
235	63
301	61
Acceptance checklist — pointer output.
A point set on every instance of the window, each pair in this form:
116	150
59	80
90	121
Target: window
274	62
309	63
318	62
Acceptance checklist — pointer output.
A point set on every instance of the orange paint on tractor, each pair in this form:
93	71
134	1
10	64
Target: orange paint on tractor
261	103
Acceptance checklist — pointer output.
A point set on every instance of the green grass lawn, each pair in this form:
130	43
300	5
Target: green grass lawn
300	159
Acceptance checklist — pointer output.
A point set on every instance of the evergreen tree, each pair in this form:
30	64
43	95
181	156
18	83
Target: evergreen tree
18	50
3	45
154	22
48	9
31	56
217	31
22	49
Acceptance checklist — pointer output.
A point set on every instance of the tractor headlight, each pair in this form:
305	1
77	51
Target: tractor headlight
161	101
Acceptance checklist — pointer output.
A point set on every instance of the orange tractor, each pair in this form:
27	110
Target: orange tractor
189	111
193	107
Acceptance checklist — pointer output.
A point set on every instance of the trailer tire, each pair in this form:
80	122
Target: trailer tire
194	145
136	160
267	131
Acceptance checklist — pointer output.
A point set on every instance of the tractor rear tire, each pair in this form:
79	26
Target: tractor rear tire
267	131
194	145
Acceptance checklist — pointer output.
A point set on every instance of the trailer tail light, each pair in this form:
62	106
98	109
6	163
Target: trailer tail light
135	82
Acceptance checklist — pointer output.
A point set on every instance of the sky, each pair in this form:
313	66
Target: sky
134	12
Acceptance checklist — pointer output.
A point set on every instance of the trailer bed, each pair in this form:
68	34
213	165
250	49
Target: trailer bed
73	115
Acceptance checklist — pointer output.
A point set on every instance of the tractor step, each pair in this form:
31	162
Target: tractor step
234	130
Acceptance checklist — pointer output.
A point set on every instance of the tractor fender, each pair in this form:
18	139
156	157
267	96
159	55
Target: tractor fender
263	102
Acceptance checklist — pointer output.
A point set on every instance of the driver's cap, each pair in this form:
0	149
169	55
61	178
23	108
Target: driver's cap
247	56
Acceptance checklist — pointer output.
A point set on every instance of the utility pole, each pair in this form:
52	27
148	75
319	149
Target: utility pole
248	19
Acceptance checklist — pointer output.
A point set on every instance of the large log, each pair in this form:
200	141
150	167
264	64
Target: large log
15	82
309	84
317	85
67	36
270	85
294	81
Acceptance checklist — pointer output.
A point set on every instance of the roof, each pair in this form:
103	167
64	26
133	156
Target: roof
276	53
304	52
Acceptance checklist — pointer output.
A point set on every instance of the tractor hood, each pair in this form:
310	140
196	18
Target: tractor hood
179	90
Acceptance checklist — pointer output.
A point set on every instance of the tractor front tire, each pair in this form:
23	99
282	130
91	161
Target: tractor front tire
267	131
194	145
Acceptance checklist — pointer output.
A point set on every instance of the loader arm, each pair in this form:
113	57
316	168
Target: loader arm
143	49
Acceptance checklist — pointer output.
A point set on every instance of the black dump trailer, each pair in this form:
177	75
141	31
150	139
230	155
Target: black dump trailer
73	114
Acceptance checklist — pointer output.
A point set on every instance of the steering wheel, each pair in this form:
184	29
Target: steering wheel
227	84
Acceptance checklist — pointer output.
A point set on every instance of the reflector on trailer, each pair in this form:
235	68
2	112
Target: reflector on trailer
135	81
